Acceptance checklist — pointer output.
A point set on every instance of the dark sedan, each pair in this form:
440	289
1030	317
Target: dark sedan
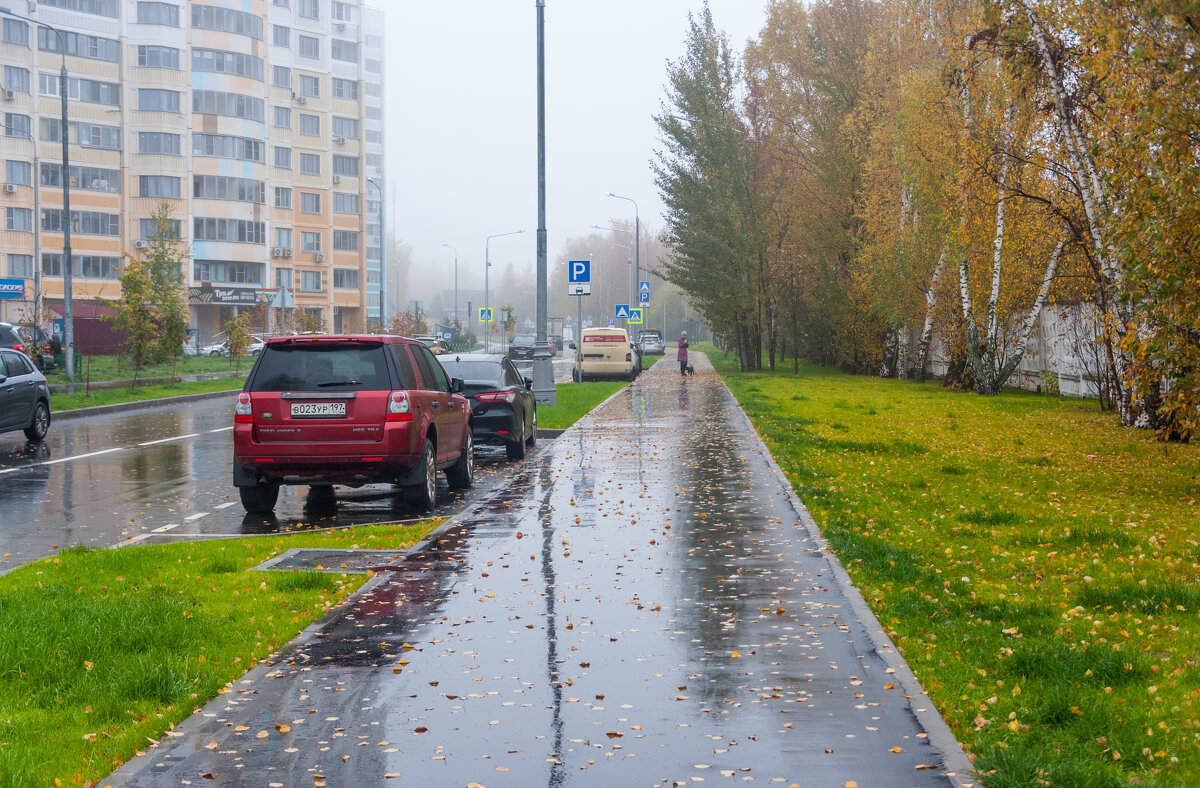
522	346
24	396
503	409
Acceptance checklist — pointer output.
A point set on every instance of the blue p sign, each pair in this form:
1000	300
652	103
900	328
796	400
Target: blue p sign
579	271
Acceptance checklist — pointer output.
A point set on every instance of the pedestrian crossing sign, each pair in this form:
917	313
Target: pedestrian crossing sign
485	315
635	316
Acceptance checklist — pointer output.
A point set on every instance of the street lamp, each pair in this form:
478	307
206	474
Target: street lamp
382	257
455	322
619	246
637	244
65	133
37	226
487	264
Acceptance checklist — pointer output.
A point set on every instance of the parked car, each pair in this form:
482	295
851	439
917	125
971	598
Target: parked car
354	409
605	353
503	407
651	342
436	344
24	396
558	343
32	341
522	346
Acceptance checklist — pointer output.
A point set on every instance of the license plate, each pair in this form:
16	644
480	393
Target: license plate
318	410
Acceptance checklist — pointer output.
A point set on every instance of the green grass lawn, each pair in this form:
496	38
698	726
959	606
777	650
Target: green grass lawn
1036	564
98	368
102	649
574	402
61	402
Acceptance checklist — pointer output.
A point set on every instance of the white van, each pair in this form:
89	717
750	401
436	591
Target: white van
605	353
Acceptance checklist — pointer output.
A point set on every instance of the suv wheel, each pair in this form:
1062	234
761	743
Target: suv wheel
423	496
461	475
259	499
40	425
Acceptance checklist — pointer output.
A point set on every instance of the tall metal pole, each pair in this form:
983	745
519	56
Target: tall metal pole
543	368
637	246
487	266
454	322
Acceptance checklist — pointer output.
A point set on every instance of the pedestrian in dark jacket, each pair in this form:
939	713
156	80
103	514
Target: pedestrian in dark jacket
681	354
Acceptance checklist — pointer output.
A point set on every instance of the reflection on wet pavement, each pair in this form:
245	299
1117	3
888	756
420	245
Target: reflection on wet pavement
640	606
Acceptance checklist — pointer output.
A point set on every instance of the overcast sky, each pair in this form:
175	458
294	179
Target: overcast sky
462	121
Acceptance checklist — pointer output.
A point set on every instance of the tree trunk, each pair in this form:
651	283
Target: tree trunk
1011	364
930	302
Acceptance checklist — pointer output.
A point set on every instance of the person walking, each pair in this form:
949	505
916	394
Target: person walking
681	354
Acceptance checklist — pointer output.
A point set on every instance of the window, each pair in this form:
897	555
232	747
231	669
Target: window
374	300
157	14
345	165
159	186
310	281
283	278
227	20
20	266
19	173
310	242
373	279
156	100
310	47
375	136
147	228
87	265
283	117
343	50
373	66
374	89
94	179
79	45
282	3
232	105
375	42
98	7
374	160
281	36
242	231
374	113
310	86
86	135
19	220
89	90
310	125
283	237
283	157
16	32
227	147
221	62
345	203
345	127
158	57
159	143
345	278
220	187
341	11
309	9
310	164
16	125
283	197
345	89
228	272
310	202
281	76
82	222
16	79
345	241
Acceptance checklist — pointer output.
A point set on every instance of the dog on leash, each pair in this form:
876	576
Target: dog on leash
690	370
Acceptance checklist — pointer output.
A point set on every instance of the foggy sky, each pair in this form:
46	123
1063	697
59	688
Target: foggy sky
461	132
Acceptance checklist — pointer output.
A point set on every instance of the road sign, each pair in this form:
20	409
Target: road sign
611	322
635	316
644	298
644	287
579	271
579	288
486	316
622	311
446	336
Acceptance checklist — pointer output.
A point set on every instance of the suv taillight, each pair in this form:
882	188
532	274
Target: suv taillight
497	396
399	407
241	411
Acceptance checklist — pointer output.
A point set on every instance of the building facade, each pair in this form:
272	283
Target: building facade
258	123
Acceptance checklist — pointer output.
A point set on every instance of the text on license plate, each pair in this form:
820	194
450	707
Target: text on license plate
318	410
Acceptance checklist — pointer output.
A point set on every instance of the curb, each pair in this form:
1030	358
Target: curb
142	404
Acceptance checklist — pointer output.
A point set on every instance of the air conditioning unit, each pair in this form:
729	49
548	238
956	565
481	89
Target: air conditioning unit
340	140
277	251
339	25
10	188
287	252
337	179
319	257
139	244
301	100
9	95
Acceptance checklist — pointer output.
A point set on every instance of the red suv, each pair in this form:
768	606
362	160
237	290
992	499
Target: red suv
352	410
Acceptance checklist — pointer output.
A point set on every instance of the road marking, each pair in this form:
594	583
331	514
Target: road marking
168	440
191	517
80	456
223	429
165	528
225	505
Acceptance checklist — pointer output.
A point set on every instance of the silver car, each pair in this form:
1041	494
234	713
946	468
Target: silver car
24	396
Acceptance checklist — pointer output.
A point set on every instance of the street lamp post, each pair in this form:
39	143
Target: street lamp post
65	133
637	246
37	226
622	246
383	258
543	367
487	264
455	321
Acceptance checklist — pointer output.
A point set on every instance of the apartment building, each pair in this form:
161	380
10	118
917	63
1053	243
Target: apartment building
259	123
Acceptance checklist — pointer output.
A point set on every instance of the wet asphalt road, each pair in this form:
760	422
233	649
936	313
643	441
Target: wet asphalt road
642	604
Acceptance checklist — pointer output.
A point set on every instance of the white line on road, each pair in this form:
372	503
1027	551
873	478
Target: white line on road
165	528
223	429
191	517
225	505
80	456
168	440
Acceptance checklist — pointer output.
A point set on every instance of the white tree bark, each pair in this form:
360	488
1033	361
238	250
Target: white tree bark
1031	319
930	302
998	243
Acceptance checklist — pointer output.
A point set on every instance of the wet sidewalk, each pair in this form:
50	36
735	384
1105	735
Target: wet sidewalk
645	604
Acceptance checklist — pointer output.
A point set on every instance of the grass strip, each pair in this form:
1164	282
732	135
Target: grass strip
100	368
1035	563
61	402
575	400
103	650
